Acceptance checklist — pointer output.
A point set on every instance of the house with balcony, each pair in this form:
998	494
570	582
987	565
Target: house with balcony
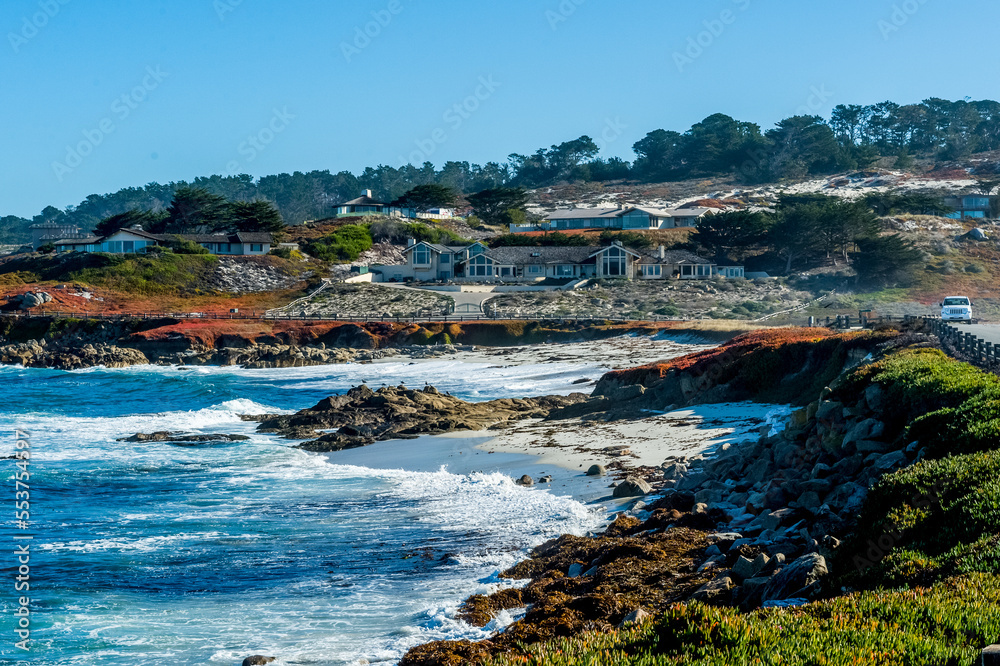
971	206
621	218
50	232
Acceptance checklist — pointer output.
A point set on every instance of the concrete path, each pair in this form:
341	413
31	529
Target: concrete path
466	302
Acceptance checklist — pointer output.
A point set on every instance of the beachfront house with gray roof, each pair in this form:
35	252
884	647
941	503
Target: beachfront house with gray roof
430	262
624	218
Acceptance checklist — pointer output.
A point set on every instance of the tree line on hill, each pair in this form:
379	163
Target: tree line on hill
808	230
856	136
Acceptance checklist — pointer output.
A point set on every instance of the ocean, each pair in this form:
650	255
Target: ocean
153	553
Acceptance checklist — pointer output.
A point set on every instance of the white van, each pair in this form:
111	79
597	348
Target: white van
957	308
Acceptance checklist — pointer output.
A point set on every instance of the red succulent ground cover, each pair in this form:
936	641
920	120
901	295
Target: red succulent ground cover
740	346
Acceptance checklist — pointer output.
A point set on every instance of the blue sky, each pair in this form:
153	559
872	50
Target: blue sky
103	94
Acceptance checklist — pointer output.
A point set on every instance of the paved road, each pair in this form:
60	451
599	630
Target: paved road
987	332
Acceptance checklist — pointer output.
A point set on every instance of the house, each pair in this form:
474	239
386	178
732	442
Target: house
137	241
970	206
241	243
477	263
50	232
366	205
620	218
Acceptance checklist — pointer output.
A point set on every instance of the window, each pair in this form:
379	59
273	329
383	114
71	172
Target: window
445	259
476	250
652	271
615	262
564	271
535	270
422	256
480	266
256	247
975	213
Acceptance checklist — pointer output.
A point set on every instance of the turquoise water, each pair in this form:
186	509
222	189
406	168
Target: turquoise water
151	553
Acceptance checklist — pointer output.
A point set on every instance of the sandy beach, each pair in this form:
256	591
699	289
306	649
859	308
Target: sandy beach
565	450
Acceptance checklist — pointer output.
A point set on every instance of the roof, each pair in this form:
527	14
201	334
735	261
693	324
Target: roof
241	237
140	233
584	213
612	213
255	237
440	249
671	257
78	240
363	201
690	212
53	225
529	255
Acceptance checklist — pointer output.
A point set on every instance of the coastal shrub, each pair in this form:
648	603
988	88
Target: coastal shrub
168	273
918	382
947	624
345	244
928	521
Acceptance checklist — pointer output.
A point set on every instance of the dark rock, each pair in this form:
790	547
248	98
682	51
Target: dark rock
362	416
632	487
800	579
177	438
525	481
717	591
258	660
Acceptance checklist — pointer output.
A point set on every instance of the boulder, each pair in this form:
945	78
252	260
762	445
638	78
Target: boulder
890	461
674	472
867	429
638	616
525	481
798	580
597	470
875	397
632	487
829	411
745	569
718	591
258	660
978	234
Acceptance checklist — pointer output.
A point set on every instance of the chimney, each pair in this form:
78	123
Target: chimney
368	193
663	252
410	242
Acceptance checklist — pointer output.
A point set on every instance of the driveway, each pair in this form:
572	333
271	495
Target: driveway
466	302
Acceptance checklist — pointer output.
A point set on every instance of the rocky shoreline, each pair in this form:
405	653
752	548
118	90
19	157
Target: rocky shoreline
73	344
760	524
363	416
